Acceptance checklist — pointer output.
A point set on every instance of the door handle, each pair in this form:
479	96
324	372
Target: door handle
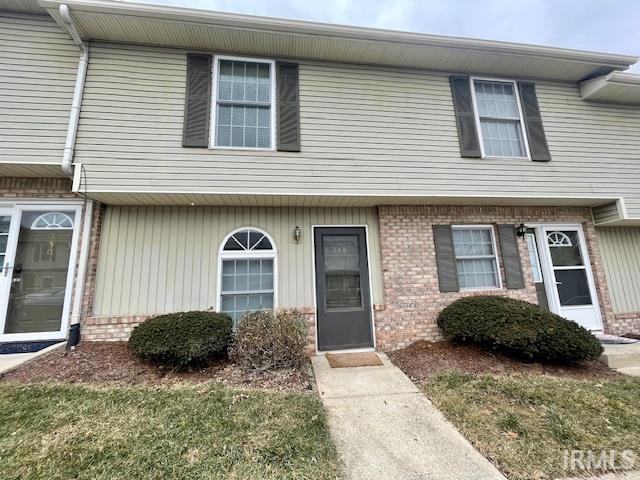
558	283
6	269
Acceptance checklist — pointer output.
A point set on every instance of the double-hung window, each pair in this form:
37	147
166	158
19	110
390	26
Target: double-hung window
244	103
247	273
476	260
499	118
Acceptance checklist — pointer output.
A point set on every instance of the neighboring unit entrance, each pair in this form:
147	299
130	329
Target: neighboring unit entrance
566	273
343	295
37	248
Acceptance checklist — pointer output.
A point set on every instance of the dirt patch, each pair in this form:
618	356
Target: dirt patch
111	363
422	359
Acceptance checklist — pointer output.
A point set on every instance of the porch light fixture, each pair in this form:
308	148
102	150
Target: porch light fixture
297	234
521	230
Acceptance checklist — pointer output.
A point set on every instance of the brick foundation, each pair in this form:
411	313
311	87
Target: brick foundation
410	279
118	328
623	323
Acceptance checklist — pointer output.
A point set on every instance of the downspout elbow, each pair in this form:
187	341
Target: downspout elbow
74	114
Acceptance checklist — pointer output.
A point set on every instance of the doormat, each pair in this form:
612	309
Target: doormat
25	347
345	360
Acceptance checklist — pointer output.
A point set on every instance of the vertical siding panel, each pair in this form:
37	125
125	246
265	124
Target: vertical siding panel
163	259
620	249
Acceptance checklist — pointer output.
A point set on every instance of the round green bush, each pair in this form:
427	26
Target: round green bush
518	328
182	340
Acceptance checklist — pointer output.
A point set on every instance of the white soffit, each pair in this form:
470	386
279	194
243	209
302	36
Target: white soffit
146	24
616	87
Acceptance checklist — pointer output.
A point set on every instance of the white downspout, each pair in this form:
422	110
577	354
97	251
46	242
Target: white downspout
74	115
67	168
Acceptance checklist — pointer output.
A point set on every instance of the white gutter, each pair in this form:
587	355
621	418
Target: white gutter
81	75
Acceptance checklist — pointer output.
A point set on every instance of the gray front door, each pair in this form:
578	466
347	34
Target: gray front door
342	288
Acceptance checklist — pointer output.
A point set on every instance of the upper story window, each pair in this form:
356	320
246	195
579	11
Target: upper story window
244	103
476	260
499	117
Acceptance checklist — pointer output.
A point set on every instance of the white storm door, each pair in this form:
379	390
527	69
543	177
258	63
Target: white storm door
568	276
9	229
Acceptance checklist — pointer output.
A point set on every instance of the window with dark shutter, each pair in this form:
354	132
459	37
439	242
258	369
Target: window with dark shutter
538	147
288	107
195	131
445	258
465	119
511	256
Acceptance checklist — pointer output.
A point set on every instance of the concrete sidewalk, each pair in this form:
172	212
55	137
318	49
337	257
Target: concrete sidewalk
385	428
11	361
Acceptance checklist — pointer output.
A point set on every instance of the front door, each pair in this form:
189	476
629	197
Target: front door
568	277
343	297
35	251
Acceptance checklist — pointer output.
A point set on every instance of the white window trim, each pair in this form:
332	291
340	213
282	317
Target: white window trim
214	102
476	115
532	237
495	256
247	255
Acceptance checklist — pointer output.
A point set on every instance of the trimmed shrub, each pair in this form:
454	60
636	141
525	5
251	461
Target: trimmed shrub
181	340
518	328
267	341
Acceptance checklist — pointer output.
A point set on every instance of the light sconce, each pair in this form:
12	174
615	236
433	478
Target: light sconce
521	230
297	234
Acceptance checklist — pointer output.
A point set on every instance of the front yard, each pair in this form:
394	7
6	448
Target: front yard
100	413
208	431
523	417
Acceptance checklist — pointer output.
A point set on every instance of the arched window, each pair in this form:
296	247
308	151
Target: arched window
247	272
53	221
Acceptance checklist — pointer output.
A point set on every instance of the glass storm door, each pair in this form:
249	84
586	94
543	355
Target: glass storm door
35	248
342	288
569	279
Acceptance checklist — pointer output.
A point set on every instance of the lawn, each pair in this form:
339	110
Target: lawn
206	431
524	416
524	423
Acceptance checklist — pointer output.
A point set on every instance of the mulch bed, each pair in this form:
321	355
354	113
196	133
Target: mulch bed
111	363
422	359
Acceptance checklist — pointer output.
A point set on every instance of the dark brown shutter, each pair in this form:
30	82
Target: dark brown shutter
538	146
197	106
445	258
511	256
288	107
465	119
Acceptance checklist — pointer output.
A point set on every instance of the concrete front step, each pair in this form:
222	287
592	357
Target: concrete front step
621	356
631	371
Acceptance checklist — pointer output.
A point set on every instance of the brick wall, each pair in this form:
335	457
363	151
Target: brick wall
624	323
26	187
118	328
410	279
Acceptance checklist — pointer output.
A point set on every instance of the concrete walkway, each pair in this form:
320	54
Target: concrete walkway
385	428
10	361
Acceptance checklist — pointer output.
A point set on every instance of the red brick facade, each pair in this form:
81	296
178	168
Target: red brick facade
411	291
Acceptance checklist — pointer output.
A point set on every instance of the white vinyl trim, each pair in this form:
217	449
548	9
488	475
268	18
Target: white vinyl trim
476	115
496	257
313	284
548	269
244	255
16	212
213	130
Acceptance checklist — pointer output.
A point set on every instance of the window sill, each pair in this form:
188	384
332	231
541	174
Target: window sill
243	149
504	158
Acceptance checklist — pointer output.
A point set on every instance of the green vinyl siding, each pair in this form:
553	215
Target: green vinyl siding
164	259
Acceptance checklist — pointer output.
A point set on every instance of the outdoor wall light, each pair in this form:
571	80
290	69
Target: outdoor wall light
297	234
521	230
